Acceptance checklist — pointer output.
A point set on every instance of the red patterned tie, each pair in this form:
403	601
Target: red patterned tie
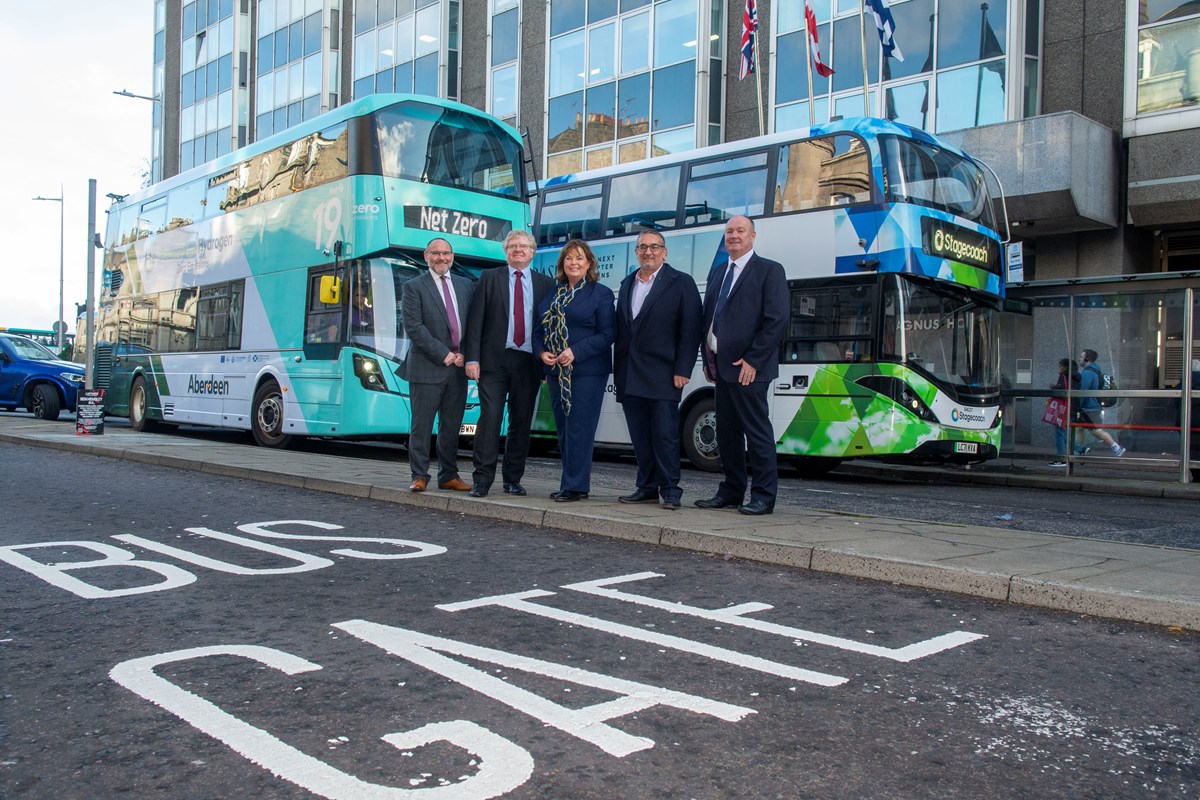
519	310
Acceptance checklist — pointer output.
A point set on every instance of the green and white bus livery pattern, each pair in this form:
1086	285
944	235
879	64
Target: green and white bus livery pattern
888	240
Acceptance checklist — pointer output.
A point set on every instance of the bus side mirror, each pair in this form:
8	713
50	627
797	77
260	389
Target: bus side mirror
331	290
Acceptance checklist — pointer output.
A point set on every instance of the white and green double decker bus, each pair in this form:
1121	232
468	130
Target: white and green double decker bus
889	239
261	291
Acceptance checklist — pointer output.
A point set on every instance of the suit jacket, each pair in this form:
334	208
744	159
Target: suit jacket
662	341
590	328
754	320
487	322
427	326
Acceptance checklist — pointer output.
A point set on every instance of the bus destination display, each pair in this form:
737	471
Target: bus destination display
459	223
944	240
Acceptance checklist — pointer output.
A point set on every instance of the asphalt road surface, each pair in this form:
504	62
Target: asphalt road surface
231	639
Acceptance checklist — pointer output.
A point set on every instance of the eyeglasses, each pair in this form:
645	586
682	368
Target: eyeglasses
441	252
650	248
515	246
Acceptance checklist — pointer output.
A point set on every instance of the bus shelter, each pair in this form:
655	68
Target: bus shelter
1145	330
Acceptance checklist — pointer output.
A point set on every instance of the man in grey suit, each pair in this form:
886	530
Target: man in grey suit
435	307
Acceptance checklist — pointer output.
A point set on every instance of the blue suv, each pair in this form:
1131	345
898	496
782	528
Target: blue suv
34	378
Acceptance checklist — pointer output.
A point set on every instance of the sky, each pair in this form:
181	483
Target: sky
60	62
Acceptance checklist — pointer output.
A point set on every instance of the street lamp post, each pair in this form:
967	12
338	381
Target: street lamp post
60	327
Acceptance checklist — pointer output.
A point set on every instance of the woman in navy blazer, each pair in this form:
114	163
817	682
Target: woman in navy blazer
572	336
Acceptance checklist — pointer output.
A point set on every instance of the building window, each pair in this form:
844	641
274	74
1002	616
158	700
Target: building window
622	81
291	54
206	92
953	74
399	45
1168	55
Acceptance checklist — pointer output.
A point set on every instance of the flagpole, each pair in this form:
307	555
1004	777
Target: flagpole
812	101
862	30
758	82
983	7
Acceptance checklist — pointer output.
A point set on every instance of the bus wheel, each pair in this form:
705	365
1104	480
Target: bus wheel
45	404
813	467
699	436
139	401
267	417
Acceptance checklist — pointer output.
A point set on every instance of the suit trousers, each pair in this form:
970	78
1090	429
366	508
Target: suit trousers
446	401
654	431
514	382
577	430
745	438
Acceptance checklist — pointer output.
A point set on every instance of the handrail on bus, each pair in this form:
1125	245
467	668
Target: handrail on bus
1003	201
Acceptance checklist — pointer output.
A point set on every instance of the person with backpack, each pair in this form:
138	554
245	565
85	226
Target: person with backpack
1091	379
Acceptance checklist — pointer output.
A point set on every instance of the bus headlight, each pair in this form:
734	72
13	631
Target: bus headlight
367	370
899	393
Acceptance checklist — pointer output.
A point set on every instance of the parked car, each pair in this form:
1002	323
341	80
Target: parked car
34	378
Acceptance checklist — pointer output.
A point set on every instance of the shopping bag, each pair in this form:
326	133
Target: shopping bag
1056	412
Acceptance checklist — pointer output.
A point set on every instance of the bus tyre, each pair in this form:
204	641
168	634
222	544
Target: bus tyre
44	402
267	417
139	402
699	436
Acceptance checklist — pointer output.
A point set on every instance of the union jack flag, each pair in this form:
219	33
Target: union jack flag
749	31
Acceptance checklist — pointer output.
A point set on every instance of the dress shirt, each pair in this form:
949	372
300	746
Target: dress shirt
641	290
737	266
528	295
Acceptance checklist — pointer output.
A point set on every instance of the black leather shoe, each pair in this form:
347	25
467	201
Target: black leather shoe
478	491
640	496
717	502
757	508
570	497
670	505
514	488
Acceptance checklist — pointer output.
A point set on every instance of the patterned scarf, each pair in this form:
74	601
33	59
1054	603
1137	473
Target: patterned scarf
554	323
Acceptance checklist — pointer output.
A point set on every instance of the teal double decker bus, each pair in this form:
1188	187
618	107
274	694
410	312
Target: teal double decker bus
261	291
893	254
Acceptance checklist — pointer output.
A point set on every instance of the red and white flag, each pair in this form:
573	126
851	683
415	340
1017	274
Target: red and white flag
810	20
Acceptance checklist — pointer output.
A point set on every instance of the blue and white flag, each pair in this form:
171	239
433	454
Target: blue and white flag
886	26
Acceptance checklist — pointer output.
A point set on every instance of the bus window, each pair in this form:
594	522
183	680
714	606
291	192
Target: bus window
643	200
153	218
828	171
570	213
322	323
212	318
718	190
185	204
927	175
831	322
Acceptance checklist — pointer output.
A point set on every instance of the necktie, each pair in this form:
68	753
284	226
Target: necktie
519	310
723	296
454	333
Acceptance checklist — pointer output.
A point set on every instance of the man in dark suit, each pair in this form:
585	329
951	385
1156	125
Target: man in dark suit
658	336
745	321
435	306
499	358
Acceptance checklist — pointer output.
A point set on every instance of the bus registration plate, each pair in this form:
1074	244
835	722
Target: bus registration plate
966	447
467	430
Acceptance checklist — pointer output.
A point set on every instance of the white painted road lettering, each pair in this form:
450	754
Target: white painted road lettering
55	573
503	766
583	723
734	615
519	601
